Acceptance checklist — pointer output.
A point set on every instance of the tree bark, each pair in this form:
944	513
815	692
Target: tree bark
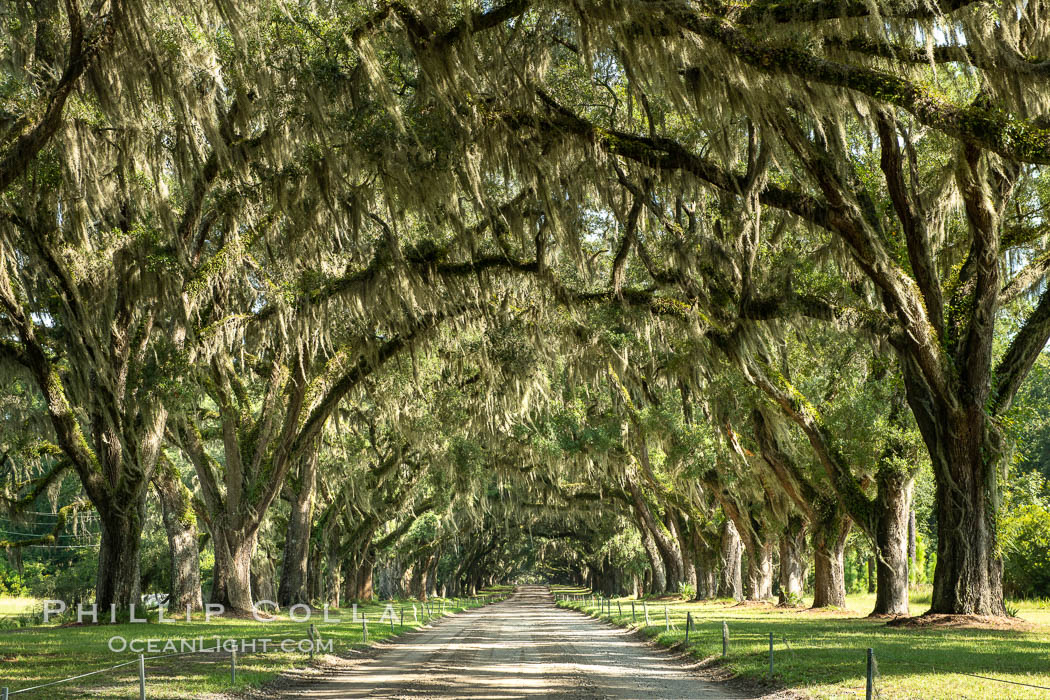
911	538
418	586
829	544
292	588
666	545
968	576
263	575
760	570
792	561
365	576
730	582
232	576
658	580
180	525
118	556
678	527
893	504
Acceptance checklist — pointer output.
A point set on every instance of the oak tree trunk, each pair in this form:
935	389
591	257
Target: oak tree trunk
968	578
658	579
682	540
292	588
730	581
365	590
829	544
333	573
893	505
232	577
792	561
118	557
263	575
760	571
180	525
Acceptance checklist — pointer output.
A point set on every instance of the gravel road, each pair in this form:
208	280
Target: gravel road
524	647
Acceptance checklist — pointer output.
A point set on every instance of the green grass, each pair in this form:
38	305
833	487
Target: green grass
35	655
823	654
18	606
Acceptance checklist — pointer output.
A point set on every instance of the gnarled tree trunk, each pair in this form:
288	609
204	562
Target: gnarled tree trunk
968	578
180	525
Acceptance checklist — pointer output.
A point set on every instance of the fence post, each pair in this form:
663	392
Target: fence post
364	628
632	611
688	624
725	638
3	693
391	622
310	631
667	621
645	607
142	677
402	615
870	691
771	655
619	609
415	618
233	665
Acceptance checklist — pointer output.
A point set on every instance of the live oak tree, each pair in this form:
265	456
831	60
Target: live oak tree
217	226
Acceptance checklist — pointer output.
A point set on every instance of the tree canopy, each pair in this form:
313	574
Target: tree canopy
628	290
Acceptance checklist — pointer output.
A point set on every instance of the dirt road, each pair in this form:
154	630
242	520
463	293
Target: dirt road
523	647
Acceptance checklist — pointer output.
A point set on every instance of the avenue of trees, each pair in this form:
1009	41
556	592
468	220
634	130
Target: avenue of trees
313	301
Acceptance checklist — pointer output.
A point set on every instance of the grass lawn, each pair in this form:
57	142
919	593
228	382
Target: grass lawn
33	655
18	606
823	654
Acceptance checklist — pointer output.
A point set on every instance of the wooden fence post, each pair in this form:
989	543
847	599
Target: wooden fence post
870	690
142	677
725	639
233	666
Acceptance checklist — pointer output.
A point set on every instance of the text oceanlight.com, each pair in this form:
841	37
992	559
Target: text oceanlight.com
196	645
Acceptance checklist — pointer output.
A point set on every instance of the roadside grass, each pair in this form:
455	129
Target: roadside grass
36	655
822	654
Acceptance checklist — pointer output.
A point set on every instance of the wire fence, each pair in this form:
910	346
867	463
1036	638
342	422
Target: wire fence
427	611
639	613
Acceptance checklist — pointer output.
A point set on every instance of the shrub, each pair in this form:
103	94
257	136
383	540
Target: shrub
11	583
688	591
1025	537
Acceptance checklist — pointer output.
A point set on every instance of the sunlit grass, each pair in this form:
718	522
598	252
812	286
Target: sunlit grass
823	654
18	606
35	655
